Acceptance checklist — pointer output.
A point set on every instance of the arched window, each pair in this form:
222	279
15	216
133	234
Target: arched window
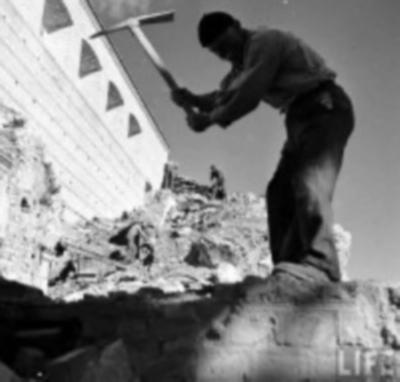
134	127
89	62
55	16
114	98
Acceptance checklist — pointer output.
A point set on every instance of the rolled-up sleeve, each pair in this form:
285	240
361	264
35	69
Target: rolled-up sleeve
261	64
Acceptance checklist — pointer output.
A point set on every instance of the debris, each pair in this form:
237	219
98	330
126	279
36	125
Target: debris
116	255
112	365
199	256
227	273
60	248
146	255
180	229
65	273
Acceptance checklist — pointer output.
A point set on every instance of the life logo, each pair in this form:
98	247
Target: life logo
367	365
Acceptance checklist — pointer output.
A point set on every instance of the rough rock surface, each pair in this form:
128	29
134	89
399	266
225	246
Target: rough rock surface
280	329
196	242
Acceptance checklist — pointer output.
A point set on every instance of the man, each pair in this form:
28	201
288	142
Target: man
170	172
279	69
217	184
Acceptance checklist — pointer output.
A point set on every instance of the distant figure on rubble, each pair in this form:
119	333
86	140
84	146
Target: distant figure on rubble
217	184
170	172
276	67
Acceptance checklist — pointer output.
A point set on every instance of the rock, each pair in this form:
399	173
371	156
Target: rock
121	237
112	365
159	208
169	286
228	274
74	296
291	328
10	118
87	365
199	256
73	366
343	247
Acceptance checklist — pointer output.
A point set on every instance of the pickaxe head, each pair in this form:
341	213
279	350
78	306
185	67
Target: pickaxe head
135	22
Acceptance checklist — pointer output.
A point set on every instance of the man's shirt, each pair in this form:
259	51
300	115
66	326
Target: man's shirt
277	67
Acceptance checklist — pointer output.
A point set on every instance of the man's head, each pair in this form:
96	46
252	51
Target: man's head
223	35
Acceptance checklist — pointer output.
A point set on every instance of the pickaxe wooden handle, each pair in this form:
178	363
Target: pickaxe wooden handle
134	24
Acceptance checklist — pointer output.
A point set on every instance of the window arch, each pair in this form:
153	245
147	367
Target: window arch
89	62
114	98
134	127
55	16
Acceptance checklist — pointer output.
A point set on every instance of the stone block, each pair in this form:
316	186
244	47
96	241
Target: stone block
280	364
176	328
181	345
222	365
133	330
360	325
71	367
306	327
112	365
247	331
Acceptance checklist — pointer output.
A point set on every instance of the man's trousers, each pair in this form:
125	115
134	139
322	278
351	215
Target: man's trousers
299	196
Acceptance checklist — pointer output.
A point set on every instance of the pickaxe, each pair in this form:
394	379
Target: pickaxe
134	24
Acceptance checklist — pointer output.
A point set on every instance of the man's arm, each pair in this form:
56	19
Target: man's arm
203	102
260	68
206	102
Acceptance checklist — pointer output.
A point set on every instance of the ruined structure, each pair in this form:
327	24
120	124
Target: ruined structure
101	139
76	139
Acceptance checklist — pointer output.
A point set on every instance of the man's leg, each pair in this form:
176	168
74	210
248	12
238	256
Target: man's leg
280	205
319	159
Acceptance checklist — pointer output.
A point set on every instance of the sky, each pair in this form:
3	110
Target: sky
359	39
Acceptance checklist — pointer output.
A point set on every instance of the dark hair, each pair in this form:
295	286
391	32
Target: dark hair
214	24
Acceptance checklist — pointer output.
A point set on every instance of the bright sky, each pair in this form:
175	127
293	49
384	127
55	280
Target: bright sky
360	40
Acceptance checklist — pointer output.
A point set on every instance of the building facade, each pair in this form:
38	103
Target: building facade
101	139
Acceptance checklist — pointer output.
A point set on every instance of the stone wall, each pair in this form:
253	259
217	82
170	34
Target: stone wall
283	329
31	206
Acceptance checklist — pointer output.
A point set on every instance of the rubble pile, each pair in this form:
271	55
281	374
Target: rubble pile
183	185
188	241
176	243
182	239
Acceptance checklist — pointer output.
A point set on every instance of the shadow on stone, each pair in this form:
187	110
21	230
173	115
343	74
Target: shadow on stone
279	329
